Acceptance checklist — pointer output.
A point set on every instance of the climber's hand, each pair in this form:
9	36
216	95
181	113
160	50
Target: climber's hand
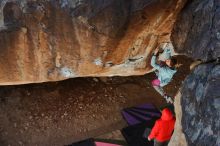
156	51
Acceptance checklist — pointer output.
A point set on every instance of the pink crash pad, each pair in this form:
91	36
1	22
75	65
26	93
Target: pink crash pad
105	144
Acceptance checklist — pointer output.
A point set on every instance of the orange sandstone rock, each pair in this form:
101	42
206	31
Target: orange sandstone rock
55	40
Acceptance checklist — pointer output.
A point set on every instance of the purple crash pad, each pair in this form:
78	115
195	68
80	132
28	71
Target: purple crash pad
140	113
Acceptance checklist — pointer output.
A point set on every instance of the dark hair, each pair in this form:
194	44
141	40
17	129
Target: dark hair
173	61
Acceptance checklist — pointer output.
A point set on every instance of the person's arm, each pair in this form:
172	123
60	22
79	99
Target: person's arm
153	62
154	58
154	131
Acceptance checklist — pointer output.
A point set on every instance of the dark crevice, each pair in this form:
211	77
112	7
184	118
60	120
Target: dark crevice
12	14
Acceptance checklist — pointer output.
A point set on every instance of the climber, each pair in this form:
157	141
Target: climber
164	73
163	129
166	52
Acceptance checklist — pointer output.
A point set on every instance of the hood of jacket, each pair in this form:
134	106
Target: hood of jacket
166	114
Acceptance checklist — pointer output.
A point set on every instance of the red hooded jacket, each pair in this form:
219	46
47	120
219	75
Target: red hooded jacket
163	128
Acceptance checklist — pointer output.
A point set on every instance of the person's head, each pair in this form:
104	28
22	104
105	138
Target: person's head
166	114
171	62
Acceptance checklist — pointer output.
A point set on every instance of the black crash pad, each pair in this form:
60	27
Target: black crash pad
134	134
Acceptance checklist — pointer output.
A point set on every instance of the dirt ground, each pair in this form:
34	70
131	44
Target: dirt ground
59	113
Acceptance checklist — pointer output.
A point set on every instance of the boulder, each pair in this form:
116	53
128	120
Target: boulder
54	40
196	34
197	30
197	108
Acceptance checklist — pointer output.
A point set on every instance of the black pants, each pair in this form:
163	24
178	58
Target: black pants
157	143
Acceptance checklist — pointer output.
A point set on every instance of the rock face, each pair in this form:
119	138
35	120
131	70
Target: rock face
178	137
196	34
200	106
58	39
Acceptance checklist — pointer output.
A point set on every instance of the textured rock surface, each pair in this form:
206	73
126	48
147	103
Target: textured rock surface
60	113
178	138
58	39
201	105
197	32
